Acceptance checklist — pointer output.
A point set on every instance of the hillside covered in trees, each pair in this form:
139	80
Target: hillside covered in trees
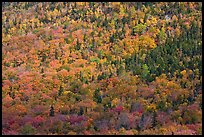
90	68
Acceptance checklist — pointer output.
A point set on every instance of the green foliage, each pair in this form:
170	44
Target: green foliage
97	96
28	130
52	113
61	90
139	29
101	68
95	59
145	71
56	127
162	36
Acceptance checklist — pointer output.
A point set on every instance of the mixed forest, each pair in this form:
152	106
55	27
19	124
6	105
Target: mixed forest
90	68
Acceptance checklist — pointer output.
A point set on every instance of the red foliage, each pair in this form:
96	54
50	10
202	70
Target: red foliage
76	119
118	109
37	121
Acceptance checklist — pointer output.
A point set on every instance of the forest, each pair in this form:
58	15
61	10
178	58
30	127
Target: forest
102	68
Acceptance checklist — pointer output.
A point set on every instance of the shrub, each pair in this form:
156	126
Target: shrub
28	130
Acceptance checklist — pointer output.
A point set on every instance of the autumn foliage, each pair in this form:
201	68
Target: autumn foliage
117	68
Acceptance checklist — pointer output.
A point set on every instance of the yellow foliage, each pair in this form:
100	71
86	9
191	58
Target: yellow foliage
122	130
171	84
190	71
183	72
163	130
180	119
80	3
142	20
66	92
72	133
151	107
147	42
177	32
115	101
115	4
154	21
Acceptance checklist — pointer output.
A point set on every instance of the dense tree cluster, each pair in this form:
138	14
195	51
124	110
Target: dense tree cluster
132	68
